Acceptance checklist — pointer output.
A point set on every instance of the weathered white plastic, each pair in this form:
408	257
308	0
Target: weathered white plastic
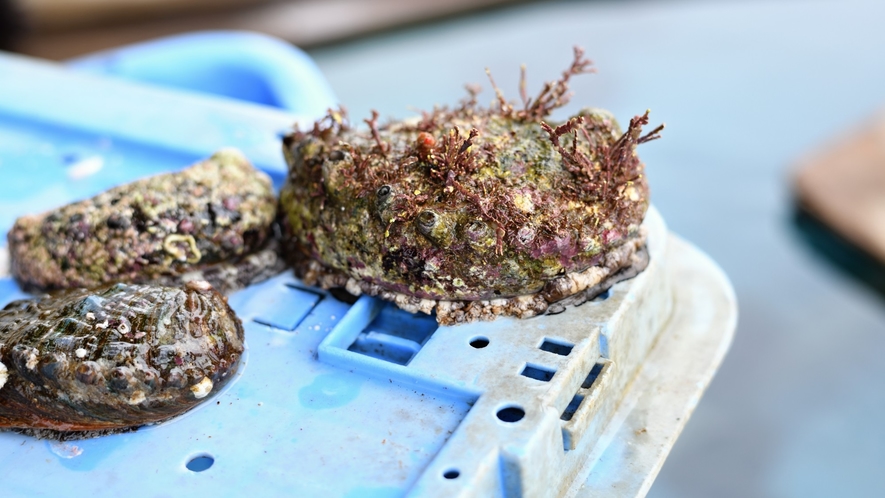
630	451
534	456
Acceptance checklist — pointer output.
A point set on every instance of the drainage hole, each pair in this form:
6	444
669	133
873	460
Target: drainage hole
200	463
559	347
451	474
537	373
592	376
479	342
511	414
602	296
572	408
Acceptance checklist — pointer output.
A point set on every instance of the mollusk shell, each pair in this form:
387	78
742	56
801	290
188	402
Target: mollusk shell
505	219
114	357
163	228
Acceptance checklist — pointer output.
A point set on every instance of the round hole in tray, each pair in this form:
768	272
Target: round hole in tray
602	296
511	414
479	342
451	474
200	463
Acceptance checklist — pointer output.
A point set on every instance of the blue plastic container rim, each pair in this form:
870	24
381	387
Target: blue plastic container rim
242	65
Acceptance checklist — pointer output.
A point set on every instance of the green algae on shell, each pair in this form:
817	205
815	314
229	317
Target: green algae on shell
114	357
470	212
211	221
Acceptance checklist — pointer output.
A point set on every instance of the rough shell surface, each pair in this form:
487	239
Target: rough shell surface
167	228
466	205
114	357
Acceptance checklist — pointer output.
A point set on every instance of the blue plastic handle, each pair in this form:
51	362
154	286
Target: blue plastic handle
245	66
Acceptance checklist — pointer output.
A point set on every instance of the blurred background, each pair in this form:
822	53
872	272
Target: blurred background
751	91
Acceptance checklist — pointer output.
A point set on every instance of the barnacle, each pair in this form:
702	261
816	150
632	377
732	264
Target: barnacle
470	212
211	221
117	356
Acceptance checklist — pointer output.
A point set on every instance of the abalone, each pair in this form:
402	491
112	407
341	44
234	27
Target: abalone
470	212
114	357
212	221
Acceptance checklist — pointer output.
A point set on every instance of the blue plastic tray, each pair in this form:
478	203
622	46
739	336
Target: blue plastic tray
330	399
287	424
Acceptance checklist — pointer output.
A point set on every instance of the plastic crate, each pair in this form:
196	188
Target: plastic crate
359	400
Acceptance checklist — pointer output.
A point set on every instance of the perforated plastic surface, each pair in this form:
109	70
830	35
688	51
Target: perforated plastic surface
331	399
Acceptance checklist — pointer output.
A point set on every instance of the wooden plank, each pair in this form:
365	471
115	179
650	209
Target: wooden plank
302	22
843	185
54	15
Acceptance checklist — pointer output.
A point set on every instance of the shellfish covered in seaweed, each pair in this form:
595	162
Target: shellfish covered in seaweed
211	221
114	357
470	212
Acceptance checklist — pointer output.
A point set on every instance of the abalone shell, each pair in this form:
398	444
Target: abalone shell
114	357
212	221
